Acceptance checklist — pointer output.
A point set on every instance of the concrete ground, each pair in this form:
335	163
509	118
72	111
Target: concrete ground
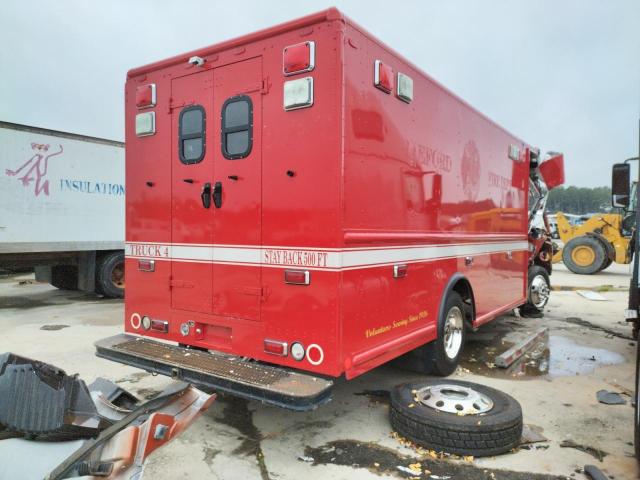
588	348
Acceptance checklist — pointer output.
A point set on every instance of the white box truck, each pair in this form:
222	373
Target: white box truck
62	208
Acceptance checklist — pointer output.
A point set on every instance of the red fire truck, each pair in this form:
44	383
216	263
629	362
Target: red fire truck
304	203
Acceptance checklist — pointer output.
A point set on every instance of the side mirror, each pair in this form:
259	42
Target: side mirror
620	185
552	171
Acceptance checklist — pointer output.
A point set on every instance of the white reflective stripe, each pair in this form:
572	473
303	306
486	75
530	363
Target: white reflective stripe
316	258
412	254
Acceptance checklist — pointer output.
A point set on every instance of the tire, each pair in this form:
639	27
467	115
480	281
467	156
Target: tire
110	275
538	288
497	431
607	264
610	253
584	255
431	359
438	361
64	277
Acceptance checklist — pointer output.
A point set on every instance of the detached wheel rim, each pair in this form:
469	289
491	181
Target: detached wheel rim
117	275
456	399
583	255
453	326
539	291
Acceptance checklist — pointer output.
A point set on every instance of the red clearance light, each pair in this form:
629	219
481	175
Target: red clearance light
383	76
146	265
299	58
274	347
297	277
146	95
160	326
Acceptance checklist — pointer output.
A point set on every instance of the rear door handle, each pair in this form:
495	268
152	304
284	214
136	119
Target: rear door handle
205	196
217	194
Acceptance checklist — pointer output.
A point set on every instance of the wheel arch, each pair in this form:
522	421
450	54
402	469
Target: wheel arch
460	284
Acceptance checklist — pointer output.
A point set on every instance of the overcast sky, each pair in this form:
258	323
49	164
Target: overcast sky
562	75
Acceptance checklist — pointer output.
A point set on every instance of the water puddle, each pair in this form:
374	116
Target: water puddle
552	356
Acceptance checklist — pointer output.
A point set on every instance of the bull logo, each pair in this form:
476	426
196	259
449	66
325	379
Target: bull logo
35	168
470	170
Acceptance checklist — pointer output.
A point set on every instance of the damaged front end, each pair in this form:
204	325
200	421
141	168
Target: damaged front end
109	431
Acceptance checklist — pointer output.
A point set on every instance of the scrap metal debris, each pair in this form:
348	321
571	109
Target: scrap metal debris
594	473
532	434
504	360
594	452
610	398
39	401
591	295
59	405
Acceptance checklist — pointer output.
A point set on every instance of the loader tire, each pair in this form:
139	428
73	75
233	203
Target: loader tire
64	277
110	275
584	255
431	423
607	264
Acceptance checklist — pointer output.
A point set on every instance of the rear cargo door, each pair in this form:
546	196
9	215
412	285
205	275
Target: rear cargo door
237	220
192	169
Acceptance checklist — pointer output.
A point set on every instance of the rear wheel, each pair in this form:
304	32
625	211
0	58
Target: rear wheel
606	265
584	255
110	275
441	356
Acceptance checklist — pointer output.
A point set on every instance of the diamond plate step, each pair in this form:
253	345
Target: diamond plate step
225	373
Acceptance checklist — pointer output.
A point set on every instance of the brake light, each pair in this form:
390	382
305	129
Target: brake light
275	347
146	96
299	58
160	326
383	76
297	277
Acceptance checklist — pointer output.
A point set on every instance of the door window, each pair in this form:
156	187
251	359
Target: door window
191	134
237	127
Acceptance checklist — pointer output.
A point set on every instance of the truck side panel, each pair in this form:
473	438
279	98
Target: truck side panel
426	184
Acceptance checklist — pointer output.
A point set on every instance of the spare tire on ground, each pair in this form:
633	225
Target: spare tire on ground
457	417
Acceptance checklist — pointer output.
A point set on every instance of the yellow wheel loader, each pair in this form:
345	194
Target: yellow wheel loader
592	246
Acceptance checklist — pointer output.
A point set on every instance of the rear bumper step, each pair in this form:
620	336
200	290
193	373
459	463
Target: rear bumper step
224	373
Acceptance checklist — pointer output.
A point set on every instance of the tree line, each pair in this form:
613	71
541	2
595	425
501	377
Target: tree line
579	200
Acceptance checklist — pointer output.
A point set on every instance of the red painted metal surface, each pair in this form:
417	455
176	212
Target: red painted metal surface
552	171
345	189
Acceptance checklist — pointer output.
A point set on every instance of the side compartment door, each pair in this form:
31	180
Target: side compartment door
237	290
191	177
